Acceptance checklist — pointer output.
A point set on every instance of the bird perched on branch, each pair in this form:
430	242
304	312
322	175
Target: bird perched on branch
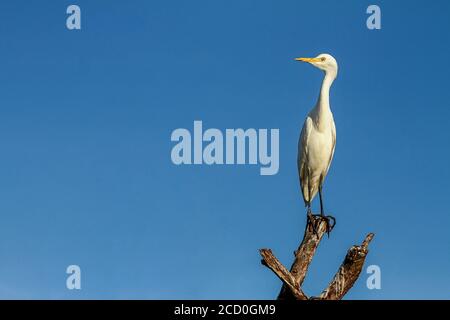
318	140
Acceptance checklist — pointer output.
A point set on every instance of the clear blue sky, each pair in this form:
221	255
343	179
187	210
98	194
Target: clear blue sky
85	123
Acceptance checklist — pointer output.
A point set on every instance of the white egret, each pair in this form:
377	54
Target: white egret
318	139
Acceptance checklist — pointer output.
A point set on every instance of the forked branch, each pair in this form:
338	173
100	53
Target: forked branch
270	261
292	280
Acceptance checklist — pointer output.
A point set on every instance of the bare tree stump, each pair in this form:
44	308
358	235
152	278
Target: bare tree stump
342	282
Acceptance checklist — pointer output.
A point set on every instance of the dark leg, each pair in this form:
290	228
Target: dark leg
321	202
311	220
330	220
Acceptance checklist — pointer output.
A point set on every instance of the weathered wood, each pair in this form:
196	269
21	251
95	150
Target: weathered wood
270	261
344	279
348	272
305	253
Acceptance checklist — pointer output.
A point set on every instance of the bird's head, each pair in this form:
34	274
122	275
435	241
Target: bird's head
323	61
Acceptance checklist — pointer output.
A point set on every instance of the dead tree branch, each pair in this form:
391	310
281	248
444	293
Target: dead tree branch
292	280
348	272
270	261
304	254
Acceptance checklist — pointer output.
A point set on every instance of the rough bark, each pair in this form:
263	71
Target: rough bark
292	280
304	254
270	261
348	272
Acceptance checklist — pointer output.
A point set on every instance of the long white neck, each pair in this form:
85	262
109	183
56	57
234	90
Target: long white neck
322	110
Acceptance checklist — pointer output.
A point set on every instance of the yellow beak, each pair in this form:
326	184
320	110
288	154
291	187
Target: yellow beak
310	60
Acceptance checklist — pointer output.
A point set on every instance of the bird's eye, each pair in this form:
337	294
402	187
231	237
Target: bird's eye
323	59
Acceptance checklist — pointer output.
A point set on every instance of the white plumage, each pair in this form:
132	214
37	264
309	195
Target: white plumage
318	137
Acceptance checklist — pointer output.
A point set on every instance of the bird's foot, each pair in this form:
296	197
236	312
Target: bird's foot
330	221
314	221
